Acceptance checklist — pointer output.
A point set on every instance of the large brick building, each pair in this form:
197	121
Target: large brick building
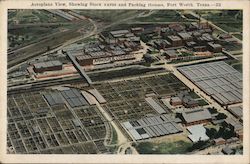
194	117
47	66
175	41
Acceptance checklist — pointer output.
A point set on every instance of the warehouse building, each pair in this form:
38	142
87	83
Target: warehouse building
74	98
54	98
199	48
118	36
237	112
197	133
236	125
151	127
155	105
187	100
191	44
97	95
175	101
195	117
218	79
175	40
137	30
171	54
119	33
47	66
185	36
177	27
204	39
214	47
161	44
101	57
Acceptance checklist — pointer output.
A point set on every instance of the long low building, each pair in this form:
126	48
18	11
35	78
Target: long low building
54	98
197	116
236	111
74	98
218	79
155	105
101	57
47	66
151	127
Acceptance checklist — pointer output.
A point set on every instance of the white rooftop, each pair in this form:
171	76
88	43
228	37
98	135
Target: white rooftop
197	133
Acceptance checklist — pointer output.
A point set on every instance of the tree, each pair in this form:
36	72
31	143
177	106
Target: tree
212	110
228	133
225	132
200	145
211	133
221	116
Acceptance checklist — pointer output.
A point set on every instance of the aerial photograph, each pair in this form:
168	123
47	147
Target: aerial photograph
125	82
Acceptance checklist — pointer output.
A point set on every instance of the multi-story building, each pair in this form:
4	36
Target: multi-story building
47	66
194	117
175	40
214	47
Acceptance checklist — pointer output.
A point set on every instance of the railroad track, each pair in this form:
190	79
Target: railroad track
36	86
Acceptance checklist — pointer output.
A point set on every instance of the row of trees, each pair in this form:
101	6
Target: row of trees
225	132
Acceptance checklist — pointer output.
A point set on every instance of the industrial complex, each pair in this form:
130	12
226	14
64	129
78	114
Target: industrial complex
118	84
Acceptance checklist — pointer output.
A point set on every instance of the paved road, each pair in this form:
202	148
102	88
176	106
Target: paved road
122	148
121	139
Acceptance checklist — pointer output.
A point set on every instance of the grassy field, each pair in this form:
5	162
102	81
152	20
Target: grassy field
238	67
36	49
109	15
202	102
32	16
193	95
236	64
178	147
114	137
230	21
28	33
162	16
239	36
189	16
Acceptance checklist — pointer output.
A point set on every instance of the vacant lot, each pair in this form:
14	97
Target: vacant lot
162	16
33	16
109	15
178	147
228	20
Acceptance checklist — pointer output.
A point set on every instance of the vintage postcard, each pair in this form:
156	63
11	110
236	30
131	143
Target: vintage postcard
124	81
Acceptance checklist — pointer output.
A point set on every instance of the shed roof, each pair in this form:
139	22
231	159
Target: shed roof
198	133
196	115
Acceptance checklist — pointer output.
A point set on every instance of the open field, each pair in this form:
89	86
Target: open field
161	16
109	15
33	16
177	147
41	47
230	21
